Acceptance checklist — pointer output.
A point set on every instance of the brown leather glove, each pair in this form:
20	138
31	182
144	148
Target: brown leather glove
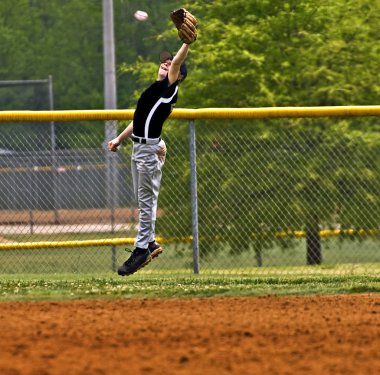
186	25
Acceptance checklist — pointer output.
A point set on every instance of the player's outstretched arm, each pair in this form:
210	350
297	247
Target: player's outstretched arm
178	59
186	25
115	143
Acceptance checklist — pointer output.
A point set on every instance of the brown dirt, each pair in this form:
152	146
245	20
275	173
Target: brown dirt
256	335
98	216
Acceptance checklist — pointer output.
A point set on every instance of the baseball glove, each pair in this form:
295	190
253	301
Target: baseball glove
186	25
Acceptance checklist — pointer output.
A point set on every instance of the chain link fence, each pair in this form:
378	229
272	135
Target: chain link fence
280	196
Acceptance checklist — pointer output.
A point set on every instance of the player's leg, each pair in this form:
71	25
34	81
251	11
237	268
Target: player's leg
142	184
154	248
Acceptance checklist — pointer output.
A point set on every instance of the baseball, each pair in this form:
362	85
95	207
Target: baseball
140	15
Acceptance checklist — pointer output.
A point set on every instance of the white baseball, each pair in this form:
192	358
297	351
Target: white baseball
140	15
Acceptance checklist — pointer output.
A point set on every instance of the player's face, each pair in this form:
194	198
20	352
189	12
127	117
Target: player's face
164	69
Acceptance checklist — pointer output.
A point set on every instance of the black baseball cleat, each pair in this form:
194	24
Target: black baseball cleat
155	249
138	259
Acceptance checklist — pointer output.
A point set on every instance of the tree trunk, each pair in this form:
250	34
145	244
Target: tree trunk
259	257
258	248
313	244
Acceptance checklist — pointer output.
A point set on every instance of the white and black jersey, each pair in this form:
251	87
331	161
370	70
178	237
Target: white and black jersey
153	108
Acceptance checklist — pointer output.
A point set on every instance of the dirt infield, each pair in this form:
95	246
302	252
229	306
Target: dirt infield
256	335
86	216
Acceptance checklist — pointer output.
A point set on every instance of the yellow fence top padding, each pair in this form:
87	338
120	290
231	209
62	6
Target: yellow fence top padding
131	241
193	114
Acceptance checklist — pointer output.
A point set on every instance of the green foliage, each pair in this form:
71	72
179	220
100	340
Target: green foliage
284	53
266	52
281	53
64	39
48	37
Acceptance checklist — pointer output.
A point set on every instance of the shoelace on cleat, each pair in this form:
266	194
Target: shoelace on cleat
131	259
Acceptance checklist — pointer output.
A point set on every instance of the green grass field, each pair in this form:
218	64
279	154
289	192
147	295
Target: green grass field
89	272
171	285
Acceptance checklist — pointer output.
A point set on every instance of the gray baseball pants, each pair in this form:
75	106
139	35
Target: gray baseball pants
146	173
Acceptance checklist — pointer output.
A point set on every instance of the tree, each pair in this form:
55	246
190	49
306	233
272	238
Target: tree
63	38
285	53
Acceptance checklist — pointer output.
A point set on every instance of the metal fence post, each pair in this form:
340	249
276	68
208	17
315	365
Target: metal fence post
110	102
53	154
194	196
